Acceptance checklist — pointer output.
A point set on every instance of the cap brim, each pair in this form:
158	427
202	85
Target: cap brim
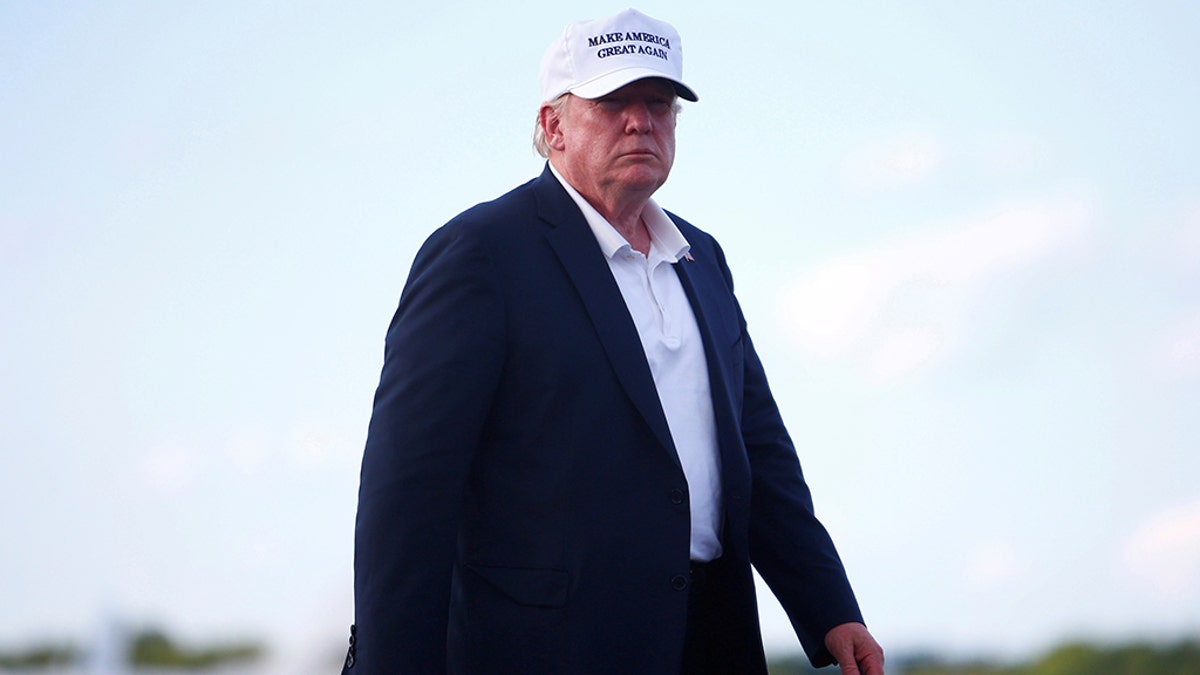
610	82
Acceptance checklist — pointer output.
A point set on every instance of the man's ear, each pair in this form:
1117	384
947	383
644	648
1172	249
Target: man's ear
551	121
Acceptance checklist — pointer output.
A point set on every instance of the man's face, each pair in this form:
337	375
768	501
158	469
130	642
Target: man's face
619	143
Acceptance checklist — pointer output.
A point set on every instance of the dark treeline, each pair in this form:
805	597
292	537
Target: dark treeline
151	648
154	648
40	656
148	648
1180	658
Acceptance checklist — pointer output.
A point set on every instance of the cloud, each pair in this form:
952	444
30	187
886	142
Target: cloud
1007	153
895	162
909	159
1175	354
896	308
177	465
171	467
248	451
905	351
312	447
992	564
1164	552
1188	237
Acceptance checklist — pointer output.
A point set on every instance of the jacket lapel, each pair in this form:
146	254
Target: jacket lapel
720	328
575	245
696	285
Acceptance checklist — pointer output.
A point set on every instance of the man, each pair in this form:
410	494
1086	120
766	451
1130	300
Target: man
574	458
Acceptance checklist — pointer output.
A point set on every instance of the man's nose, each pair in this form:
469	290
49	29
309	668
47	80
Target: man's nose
638	118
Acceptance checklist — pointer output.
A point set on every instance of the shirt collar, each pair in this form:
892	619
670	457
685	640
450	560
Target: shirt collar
665	238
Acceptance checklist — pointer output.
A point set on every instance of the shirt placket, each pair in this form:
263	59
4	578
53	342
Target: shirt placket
661	296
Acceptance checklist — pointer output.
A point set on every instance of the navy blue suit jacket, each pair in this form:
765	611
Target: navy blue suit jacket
522	508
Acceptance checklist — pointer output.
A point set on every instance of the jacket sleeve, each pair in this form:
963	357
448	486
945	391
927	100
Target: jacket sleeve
789	546
442	359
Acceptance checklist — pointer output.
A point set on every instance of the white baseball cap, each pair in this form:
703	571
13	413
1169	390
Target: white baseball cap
594	58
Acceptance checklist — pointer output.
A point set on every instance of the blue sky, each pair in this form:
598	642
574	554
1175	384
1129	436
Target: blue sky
966	236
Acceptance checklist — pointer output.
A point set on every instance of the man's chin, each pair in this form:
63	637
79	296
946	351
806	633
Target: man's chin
645	177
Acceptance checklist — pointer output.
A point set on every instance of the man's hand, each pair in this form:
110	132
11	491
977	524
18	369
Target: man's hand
856	652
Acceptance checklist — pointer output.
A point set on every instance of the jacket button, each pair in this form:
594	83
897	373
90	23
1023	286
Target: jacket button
679	582
352	652
676	496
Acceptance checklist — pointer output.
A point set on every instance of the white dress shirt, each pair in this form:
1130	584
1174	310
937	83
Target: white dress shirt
671	340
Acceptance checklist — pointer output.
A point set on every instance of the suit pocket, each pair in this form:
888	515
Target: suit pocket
530	587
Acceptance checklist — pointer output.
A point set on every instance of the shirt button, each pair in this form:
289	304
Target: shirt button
679	582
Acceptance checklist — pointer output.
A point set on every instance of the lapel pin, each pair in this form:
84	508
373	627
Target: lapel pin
688	257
